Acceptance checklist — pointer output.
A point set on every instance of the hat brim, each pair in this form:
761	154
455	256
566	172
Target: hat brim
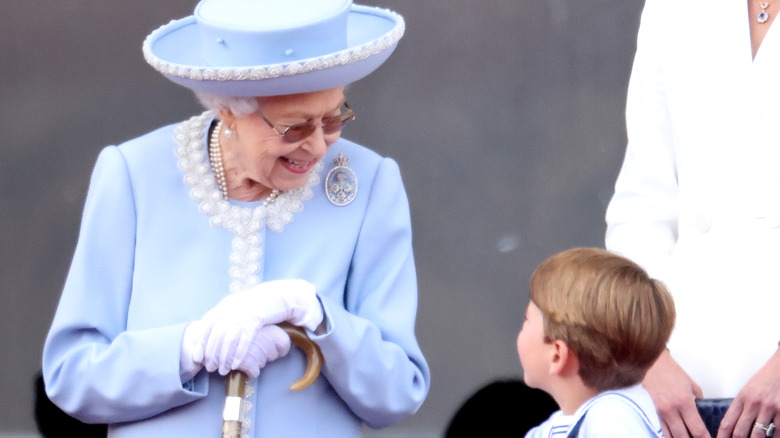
372	36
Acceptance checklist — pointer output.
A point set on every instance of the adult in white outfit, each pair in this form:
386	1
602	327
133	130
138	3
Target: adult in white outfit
697	203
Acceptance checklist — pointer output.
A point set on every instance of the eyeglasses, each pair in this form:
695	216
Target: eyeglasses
298	132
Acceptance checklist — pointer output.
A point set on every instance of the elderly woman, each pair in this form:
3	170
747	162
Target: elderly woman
197	239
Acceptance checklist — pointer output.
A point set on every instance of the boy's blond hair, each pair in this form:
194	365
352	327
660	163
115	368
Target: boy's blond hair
608	311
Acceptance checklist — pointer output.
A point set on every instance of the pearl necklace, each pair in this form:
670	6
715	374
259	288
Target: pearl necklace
215	156
245	223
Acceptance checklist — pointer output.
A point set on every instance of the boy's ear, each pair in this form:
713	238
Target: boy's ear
563	361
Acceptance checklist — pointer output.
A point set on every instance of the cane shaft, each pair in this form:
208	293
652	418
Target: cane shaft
234	404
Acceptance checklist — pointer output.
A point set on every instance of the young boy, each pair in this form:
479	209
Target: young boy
595	323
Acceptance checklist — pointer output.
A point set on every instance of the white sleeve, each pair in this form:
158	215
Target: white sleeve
642	216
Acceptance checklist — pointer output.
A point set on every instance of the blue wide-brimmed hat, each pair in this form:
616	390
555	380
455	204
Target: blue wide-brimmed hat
273	47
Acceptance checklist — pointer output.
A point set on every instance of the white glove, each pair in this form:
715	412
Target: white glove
231	327
192	346
270	343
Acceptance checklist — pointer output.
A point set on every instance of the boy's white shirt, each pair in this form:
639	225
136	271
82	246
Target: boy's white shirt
627	412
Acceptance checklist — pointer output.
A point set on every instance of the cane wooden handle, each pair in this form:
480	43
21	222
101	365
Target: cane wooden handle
313	355
236	380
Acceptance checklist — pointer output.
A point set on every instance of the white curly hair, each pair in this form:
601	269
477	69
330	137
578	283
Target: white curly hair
238	106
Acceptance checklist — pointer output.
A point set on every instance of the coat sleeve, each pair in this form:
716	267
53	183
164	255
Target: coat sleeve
642	215
372	358
94	368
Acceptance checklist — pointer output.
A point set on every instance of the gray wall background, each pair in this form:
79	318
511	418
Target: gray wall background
506	117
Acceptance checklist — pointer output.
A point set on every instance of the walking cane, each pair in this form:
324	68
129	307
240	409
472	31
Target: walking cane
236	380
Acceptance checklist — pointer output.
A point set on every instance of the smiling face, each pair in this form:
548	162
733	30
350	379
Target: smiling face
255	157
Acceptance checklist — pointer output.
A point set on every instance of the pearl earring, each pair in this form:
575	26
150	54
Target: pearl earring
228	132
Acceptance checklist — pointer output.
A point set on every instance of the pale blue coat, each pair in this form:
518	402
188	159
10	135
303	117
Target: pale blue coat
148	262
